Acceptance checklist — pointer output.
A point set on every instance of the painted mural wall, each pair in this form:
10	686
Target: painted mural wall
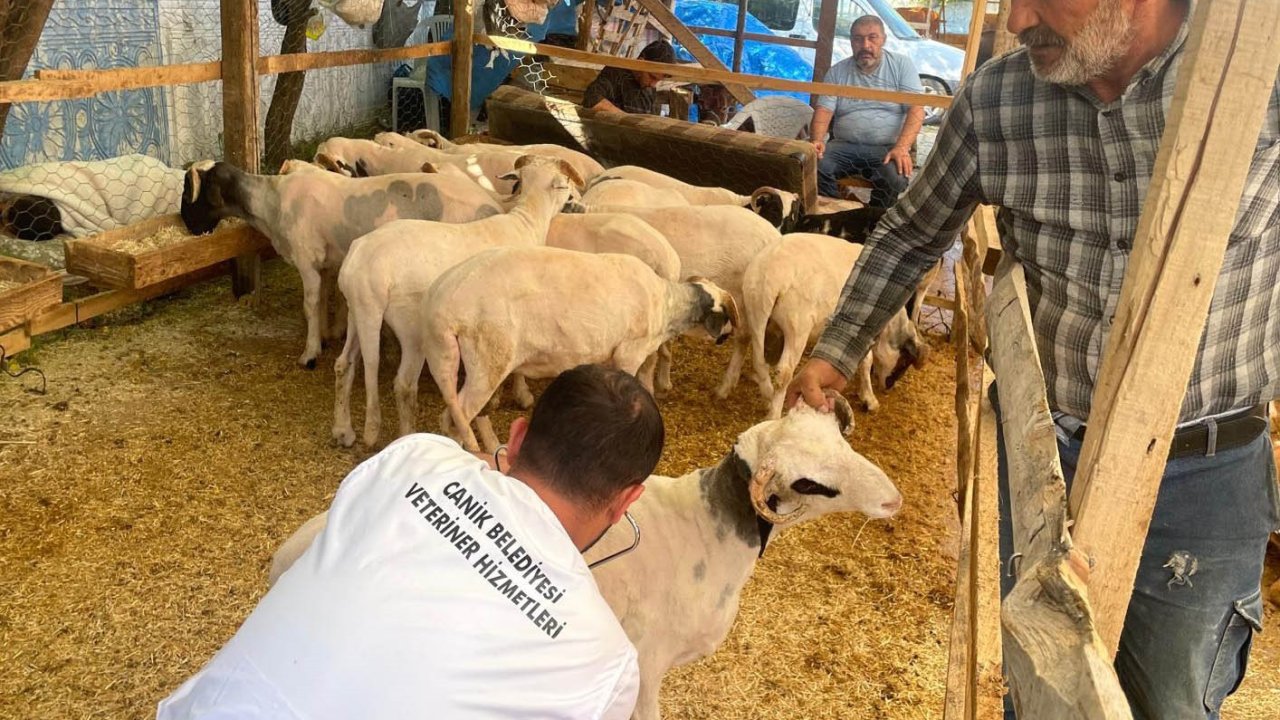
176	124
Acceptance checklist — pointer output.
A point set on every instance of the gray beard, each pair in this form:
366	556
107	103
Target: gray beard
1096	49
871	66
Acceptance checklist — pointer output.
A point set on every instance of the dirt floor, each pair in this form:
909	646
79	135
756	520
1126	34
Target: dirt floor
179	444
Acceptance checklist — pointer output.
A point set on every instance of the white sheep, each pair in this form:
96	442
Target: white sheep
311	218
388	272
617	192
486	167
715	242
792	287
677	594
693	194
589	309
587	166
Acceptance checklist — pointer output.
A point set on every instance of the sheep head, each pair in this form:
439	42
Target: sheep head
782	209
803	468
208	194
334	164
717	312
897	349
430	138
536	173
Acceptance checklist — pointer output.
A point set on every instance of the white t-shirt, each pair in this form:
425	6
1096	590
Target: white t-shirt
438	589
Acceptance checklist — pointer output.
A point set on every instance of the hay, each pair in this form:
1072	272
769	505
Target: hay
179	444
7	285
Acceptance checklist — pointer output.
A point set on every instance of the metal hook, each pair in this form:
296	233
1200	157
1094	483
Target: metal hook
1010	569
5	367
634	544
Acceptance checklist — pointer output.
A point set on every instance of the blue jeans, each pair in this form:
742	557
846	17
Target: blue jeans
843	159
1185	645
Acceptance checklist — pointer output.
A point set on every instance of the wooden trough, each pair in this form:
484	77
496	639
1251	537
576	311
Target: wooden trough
26	289
156	250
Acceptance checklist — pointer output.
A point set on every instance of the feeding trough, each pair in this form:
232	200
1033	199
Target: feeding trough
25	290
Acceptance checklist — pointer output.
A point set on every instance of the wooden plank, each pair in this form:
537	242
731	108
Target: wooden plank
586	10
240	112
460	103
983	229
685	36
1057	665
293	62
756	37
826	36
38	288
15	341
972	42
739	31
101	258
988	658
697	74
1227	72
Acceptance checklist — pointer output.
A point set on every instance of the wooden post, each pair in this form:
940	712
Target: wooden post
1224	83
586	11
975	38
1005	40
738	39
463	50
685	36
240	113
826	35
1057	665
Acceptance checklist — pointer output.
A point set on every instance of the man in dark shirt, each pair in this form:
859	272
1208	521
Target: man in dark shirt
632	91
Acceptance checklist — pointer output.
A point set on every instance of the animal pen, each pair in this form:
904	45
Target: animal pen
229	95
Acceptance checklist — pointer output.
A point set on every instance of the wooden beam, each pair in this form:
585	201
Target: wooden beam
826	36
1224	83
293	62
681	32
1005	40
586	11
739	32
463	51
240	113
1057	665
756	37
697	74
988	660
975	38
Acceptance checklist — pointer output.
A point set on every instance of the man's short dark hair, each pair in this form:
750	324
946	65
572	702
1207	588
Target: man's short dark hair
868	19
593	432
658	51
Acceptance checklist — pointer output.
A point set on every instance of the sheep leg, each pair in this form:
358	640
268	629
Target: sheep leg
488	438
866	394
647	698
311	309
520	388
367	327
340	314
482	381
760	366
327	282
734	371
344	375
645	373
663	380
792	350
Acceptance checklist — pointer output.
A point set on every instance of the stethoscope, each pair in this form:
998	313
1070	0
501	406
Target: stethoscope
635	527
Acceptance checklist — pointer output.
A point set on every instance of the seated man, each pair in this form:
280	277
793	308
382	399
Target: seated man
631	91
868	138
447	586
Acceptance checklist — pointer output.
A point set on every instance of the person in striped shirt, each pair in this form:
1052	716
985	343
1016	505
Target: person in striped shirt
1062	136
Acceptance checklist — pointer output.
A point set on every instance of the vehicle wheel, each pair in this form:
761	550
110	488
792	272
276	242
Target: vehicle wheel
932	85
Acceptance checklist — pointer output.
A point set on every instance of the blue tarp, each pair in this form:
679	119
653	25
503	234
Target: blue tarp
758	58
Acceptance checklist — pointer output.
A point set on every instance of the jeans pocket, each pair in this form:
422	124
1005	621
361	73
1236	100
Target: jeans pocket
1232	658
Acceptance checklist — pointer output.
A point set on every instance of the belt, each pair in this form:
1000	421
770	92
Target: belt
1213	435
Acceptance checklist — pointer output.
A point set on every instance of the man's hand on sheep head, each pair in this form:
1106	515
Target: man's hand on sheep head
812	383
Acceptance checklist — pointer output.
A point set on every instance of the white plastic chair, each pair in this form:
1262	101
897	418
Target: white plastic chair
430	29
775	116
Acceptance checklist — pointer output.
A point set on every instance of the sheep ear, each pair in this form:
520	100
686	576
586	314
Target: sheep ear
731	309
194	174
524	160
328	162
572	173
755	197
510	177
919	353
430	167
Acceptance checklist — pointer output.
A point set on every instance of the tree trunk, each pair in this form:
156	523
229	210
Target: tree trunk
278	128
20	27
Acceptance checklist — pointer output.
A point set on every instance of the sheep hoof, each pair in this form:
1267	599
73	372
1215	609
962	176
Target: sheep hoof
870	405
722	392
308	364
345	438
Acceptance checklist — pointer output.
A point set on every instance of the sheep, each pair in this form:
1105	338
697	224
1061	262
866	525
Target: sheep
609	191
591	309
693	194
853	226
677	594
587	166
486	166
311	218
388	272
716	242
792	287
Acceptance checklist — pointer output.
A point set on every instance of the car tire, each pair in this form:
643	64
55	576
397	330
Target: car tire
934	86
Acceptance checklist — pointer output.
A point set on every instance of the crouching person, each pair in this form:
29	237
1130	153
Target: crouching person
446	586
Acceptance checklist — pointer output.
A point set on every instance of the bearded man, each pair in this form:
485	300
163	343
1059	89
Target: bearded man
869	138
1062	135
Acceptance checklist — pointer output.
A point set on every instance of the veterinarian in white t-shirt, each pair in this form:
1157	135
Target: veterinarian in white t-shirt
443	589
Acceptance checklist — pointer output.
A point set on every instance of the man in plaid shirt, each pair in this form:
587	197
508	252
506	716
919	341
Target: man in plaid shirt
1062	135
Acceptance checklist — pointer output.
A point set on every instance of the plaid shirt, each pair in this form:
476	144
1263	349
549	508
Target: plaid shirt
1069	174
